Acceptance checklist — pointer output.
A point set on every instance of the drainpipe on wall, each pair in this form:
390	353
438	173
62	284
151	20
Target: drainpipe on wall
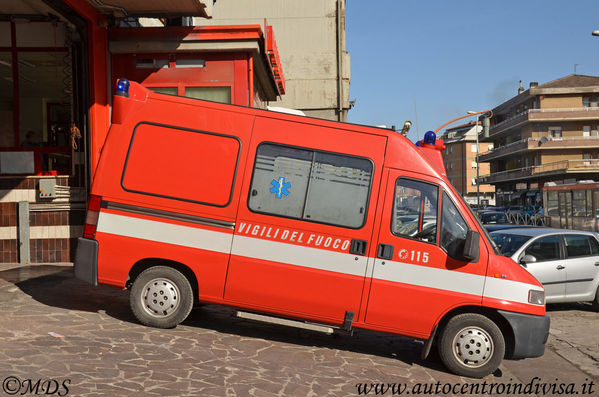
339	65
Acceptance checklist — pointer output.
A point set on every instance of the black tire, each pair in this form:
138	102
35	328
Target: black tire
161	297
595	303
471	345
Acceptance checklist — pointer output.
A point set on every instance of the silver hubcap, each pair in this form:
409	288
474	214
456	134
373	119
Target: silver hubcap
473	347
160	297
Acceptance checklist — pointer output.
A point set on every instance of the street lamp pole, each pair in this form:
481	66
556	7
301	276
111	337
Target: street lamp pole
477	162
477	165
470	113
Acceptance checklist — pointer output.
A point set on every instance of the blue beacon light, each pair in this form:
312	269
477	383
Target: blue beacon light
430	138
122	88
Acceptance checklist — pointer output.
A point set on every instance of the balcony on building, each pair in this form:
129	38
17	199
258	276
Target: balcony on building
573	168
544	143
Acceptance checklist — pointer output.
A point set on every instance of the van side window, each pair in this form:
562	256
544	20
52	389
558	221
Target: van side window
415	210
311	185
453	228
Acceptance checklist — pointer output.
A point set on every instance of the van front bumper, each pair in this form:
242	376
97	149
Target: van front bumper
530	334
86	260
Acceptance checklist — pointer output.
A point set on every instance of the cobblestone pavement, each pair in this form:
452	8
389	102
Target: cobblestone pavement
84	339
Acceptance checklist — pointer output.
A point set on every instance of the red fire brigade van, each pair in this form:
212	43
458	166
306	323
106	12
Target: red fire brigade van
302	221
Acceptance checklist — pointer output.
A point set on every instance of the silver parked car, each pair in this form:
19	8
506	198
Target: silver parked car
566	262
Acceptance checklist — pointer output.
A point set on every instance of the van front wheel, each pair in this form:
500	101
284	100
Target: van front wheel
161	297
471	345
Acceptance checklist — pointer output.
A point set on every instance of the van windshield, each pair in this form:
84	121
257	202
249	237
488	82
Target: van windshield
481	227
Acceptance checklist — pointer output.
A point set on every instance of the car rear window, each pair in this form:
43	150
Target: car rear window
493	218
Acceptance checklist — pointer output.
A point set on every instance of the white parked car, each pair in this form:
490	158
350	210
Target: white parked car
566	262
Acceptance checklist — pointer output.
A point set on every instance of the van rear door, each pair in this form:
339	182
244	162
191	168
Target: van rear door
305	220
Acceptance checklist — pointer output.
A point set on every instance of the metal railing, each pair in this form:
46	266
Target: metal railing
520	218
548	139
548	110
558	110
517	115
511	144
591	164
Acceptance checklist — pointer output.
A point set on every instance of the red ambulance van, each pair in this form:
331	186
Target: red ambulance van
302	221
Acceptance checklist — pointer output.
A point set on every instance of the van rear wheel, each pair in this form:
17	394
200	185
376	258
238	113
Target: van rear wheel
471	345
161	297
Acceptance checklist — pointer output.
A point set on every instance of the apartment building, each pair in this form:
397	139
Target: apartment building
547	133
310	36
460	162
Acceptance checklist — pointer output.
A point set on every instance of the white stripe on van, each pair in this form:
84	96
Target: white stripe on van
165	232
298	255
314	258
430	277
509	290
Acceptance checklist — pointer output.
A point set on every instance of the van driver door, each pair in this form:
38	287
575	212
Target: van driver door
415	278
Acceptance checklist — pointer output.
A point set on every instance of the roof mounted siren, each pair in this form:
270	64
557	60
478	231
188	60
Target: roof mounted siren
406	128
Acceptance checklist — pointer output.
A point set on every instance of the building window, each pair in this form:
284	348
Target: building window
311	185
555	132
215	94
164	90
586	130
586	101
473	148
36	90
7	136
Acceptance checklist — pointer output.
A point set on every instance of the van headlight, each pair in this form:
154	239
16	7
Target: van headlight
536	297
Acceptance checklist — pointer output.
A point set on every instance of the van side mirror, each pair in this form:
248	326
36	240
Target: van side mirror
471	249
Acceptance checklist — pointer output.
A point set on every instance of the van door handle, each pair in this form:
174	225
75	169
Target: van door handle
385	251
358	247
560	267
596	263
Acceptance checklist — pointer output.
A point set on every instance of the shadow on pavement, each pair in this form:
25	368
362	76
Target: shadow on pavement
224	320
561	307
56	286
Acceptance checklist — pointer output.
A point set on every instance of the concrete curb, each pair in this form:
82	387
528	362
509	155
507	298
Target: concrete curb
8	266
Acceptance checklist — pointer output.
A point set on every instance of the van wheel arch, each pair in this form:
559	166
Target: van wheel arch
493	315
147	263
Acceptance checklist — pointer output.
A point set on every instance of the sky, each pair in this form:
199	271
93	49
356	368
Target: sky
430	61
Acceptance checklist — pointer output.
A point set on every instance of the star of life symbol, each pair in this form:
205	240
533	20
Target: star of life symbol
403	254
280	187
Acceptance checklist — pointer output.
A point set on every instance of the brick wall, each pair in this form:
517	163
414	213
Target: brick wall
54	224
8	233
